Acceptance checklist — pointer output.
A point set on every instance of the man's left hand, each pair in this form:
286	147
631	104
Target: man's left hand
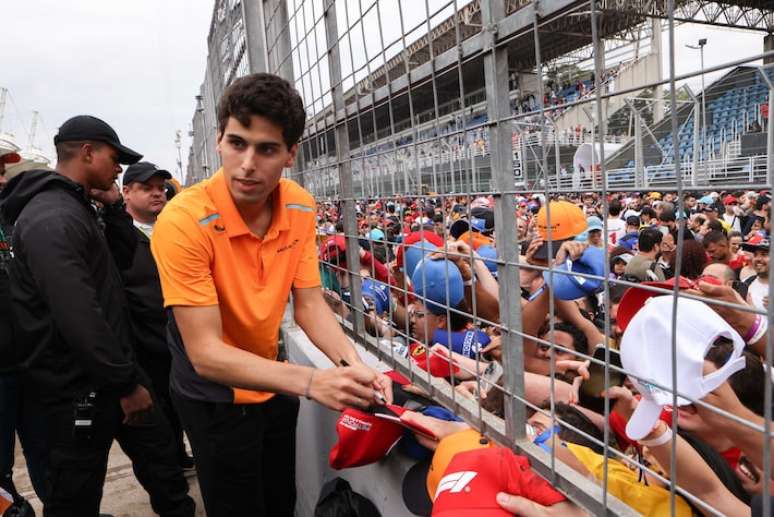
106	197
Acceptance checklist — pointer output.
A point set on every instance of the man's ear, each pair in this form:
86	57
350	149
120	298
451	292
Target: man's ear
292	157
218	138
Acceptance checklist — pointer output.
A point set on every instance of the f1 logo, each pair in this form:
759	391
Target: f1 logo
455	482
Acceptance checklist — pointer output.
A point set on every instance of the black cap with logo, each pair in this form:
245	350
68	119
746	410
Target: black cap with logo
85	127
142	172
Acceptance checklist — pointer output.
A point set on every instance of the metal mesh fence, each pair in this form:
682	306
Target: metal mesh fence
477	165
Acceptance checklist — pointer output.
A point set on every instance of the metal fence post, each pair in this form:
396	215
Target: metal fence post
501	156
349	213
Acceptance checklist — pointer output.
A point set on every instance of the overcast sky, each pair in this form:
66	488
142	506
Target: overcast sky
135	63
138	64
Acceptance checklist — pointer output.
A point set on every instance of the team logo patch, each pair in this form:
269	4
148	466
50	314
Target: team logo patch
455	482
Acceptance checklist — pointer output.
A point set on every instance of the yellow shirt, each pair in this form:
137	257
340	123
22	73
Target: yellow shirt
623	483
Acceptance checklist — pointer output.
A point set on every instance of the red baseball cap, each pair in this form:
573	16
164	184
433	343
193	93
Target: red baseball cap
364	438
437	366
471	482
730	200
334	249
634	297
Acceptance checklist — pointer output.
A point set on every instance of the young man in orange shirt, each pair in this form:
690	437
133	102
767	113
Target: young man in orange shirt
229	251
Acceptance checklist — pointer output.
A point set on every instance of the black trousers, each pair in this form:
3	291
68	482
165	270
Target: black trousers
157	367
77	465
245	455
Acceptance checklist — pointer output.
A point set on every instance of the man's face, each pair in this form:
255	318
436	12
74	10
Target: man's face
101	164
635	204
690	202
760	262
253	158
669	197
718	251
595	238
146	199
423	323
562	339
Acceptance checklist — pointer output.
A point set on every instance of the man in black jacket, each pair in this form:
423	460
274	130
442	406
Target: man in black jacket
145	196
73	324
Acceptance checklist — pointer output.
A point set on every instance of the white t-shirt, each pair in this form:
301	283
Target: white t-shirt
616	228
733	221
757	291
630	212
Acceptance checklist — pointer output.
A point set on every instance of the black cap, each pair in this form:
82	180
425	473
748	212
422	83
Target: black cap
142	172
762	244
85	127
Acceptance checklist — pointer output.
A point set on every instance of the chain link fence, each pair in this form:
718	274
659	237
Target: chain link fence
477	165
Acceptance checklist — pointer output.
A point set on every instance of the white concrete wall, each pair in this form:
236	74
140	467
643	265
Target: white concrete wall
316	434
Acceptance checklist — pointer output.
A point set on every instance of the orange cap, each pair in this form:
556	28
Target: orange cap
467	440
567	221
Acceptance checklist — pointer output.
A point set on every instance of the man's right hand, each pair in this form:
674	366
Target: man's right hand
339	388
136	405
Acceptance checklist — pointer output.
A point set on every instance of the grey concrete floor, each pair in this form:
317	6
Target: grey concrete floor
122	496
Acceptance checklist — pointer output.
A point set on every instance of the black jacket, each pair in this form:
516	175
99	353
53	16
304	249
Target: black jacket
68	303
146	303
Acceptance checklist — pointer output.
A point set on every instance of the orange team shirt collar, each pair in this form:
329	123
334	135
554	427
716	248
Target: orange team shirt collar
232	219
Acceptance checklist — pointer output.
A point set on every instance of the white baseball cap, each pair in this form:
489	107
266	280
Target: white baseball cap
646	352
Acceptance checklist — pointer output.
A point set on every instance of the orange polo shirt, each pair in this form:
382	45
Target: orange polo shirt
206	255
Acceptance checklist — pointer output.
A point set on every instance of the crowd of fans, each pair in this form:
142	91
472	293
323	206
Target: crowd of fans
429	269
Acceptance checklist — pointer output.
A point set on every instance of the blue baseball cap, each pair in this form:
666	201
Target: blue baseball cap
415	253
376	235
464	342
378	292
489	254
431	279
409	443
594	222
570	287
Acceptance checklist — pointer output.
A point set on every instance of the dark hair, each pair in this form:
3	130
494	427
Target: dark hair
457	321
734	234
746	383
667	216
714	237
694	260
700	219
66	151
648	239
572	416
760	201
268	96
715	226
633	220
646	210
614	208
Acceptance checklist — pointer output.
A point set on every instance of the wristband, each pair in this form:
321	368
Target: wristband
659	440
764	326
754	329
309	384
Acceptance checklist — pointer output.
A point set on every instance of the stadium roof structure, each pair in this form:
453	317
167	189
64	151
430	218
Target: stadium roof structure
564	26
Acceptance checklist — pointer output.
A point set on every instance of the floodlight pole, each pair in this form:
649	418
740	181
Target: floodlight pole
700	48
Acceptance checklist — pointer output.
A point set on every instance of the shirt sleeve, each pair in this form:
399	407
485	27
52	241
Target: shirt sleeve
183	256
308	270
